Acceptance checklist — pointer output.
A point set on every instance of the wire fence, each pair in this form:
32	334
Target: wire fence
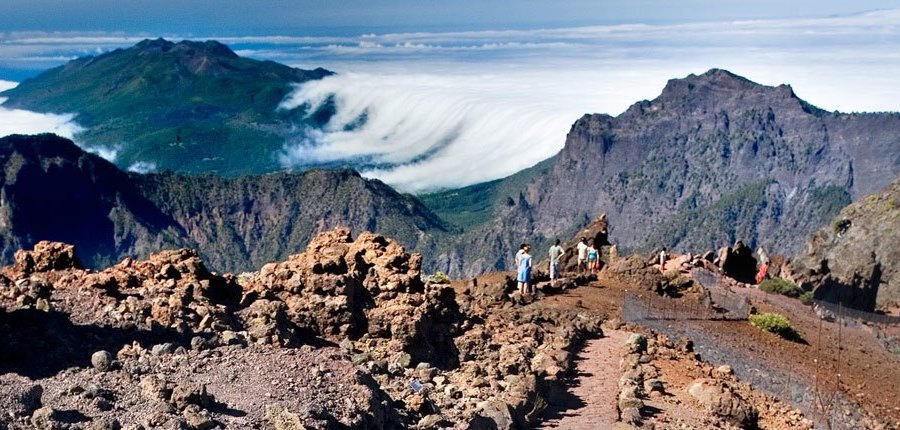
818	394
828	311
719	303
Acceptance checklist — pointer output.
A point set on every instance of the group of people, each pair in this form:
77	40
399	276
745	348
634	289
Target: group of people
588	257
588	260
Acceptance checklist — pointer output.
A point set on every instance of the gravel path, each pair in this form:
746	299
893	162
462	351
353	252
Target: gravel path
592	404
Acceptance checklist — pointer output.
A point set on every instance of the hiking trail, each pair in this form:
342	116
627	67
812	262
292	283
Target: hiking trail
592	401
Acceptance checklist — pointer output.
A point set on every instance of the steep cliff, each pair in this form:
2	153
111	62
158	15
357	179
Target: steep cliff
855	259
52	190
713	159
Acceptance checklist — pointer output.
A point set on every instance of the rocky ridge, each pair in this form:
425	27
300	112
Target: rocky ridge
853	260
715	158
237	223
357	338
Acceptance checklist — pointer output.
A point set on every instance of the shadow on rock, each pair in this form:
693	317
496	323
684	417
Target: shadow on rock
38	344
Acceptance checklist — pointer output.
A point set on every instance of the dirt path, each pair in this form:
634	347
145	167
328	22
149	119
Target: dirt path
592	404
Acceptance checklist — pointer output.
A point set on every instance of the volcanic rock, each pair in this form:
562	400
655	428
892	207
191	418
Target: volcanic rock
717	397
855	260
738	263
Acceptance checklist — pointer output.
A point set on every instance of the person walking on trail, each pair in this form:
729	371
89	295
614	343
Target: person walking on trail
663	256
524	271
592	258
582	254
556	252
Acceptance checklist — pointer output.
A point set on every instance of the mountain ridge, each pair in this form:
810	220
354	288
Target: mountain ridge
53	190
186	106
710	147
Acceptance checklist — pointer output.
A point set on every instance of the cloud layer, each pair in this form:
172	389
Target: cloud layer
17	121
452	109
456	108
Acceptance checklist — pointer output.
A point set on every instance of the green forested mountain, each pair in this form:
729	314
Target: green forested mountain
186	106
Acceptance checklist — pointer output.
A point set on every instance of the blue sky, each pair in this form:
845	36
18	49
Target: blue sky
318	17
462	92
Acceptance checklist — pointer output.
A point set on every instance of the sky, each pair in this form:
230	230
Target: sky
461	92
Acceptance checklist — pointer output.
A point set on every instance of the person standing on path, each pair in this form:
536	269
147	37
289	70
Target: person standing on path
763	256
663	256
582	254
592	256
556	252
524	271
519	253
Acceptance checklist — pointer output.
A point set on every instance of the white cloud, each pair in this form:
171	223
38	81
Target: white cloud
108	154
18	121
142	167
451	109
455	108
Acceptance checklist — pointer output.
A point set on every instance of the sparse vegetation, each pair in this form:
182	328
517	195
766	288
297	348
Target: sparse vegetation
806	298
440	278
781	286
840	226
774	323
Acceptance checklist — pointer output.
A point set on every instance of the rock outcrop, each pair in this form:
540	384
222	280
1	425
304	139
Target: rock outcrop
357	338
855	260
738	262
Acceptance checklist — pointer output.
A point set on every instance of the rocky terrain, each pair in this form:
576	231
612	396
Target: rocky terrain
52	190
348	334
854	259
345	334
715	158
186	106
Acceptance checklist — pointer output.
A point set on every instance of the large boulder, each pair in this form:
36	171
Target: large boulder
635	270
596	233
45	257
717	397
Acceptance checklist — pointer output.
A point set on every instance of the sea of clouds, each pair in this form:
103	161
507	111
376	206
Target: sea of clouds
451	109
17	121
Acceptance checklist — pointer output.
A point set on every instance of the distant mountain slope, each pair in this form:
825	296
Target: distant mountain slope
713	159
187	106
855	259
52	190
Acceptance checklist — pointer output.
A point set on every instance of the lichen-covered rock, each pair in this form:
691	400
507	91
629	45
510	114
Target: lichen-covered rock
855	259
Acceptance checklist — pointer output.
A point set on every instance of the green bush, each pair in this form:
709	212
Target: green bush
780	286
440	278
806	298
774	323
